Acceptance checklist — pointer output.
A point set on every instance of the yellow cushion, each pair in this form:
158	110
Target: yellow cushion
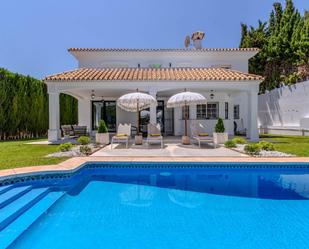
121	135
203	134
155	135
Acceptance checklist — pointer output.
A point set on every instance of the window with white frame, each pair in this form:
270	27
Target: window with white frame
201	112
226	110
213	110
185	112
236	111
209	111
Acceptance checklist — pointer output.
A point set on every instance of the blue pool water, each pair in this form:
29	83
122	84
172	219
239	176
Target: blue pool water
151	206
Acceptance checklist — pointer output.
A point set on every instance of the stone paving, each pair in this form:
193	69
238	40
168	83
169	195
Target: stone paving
170	150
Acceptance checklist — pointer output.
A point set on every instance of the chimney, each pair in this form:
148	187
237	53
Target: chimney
197	38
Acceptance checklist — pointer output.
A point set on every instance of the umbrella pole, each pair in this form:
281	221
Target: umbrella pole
186	133
137	107
186	118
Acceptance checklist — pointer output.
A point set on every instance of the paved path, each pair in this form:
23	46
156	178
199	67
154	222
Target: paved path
170	150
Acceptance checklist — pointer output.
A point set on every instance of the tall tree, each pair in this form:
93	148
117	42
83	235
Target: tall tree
283	41
24	106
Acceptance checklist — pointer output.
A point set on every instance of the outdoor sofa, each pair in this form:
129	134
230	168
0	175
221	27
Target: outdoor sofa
74	131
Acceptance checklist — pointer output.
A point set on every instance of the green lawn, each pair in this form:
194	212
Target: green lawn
296	145
19	154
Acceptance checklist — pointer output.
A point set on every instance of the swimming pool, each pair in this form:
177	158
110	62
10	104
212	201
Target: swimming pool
159	205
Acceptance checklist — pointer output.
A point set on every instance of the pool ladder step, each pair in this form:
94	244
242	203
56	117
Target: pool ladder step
11	211
12	194
5	188
10	233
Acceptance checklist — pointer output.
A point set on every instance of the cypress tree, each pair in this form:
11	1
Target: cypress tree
24	106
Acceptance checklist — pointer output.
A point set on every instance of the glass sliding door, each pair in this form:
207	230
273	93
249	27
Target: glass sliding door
105	110
160	114
97	113
110	115
144	116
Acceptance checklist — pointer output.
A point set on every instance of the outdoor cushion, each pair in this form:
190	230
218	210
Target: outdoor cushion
67	130
121	135
203	134
155	135
80	130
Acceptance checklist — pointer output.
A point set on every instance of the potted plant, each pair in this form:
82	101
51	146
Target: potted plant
102	136
220	136
138	136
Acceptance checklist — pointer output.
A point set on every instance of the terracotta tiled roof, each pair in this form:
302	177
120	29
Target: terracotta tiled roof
153	74
163	50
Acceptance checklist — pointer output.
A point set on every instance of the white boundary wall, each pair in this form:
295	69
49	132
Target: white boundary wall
282	110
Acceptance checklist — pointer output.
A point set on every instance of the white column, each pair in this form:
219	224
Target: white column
178	122
54	133
253	132
231	115
221	109
192	117
153	108
84	113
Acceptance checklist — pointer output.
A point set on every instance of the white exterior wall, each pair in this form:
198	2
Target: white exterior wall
237	60
208	124
233	92
241	99
84	113
281	110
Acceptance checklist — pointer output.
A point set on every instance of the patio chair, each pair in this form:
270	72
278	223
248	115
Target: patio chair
154	134
80	130
67	131
198	133
122	135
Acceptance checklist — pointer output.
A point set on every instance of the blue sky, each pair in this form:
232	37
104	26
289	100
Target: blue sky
35	34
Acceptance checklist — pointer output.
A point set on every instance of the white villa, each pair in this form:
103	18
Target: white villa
103	75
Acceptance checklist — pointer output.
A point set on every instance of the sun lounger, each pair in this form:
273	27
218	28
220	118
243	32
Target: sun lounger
123	135
154	134
198	133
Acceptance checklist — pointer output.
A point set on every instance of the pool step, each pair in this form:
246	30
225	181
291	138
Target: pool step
5	188
12	194
11	211
18	226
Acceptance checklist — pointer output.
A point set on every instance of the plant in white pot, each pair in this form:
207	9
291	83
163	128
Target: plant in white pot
102	135
220	136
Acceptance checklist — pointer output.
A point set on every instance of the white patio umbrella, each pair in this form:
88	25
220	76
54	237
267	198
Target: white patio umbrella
135	102
185	99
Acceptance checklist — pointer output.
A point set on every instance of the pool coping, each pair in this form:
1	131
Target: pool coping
75	163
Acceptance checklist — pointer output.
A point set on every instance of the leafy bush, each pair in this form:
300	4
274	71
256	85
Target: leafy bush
220	126
65	147
102	127
252	149
291	79
264	145
230	144
85	149
83	140
239	140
